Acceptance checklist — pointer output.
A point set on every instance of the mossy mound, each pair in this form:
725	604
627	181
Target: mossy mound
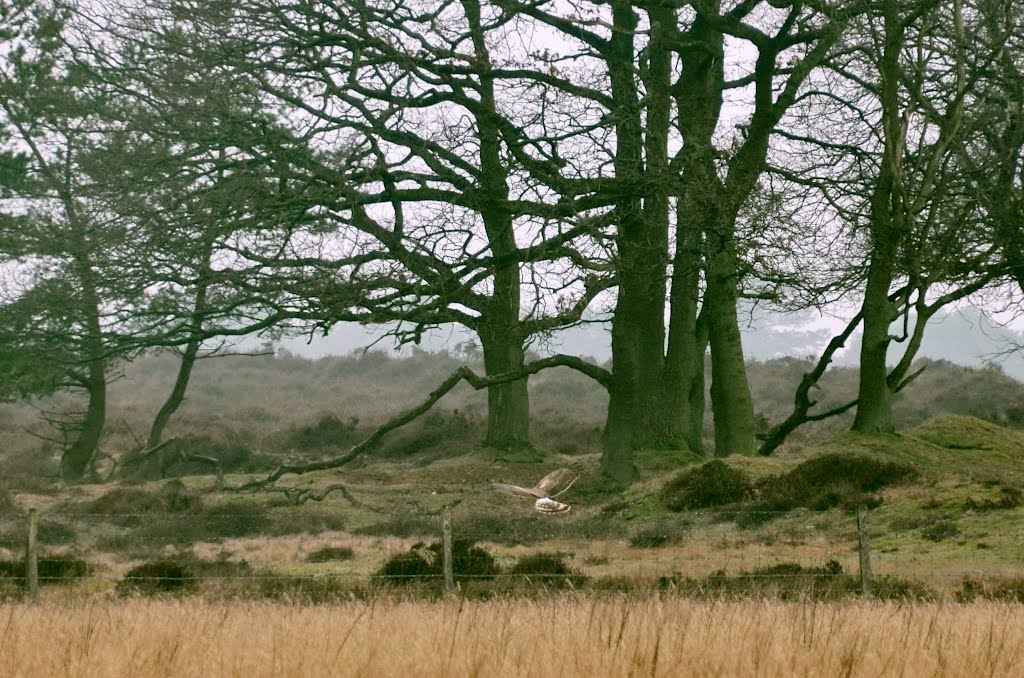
969	433
712	484
831	480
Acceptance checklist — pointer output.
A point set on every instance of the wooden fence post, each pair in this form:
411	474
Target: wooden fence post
32	556
446	536
865	553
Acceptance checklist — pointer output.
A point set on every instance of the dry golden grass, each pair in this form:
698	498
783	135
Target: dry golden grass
569	636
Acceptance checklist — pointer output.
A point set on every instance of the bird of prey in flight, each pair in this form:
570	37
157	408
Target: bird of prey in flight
549	487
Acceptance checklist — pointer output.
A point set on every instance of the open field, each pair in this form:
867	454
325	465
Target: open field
565	636
763	585
958	522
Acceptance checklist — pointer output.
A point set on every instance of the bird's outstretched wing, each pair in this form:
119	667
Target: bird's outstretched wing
516	490
555	483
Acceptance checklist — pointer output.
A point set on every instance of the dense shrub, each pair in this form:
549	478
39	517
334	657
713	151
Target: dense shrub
940	530
793	581
1009	590
403	526
60	569
828	481
305	590
422	562
236	519
169	497
53	532
656	536
329	554
1009	497
712	484
328	431
549	569
405	568
435	428
162	576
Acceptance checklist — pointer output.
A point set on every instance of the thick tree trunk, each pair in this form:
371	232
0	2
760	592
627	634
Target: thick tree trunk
683	385
508	405
638	328
874	402
731	403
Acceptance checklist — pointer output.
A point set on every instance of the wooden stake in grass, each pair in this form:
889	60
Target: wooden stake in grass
446	538
865	553
32	556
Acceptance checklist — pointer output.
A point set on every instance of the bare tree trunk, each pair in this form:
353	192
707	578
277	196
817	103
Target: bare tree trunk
683	385
76	458
731	403
874	403
508	405
638	329
176	396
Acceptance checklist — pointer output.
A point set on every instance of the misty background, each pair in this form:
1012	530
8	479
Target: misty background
966	336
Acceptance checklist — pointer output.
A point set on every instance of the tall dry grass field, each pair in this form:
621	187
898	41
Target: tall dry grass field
571	636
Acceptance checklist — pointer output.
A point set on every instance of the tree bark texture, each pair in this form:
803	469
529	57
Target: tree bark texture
874	402
508	405
76	459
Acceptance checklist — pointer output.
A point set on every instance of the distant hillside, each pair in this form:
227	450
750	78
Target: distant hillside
966	336
272	405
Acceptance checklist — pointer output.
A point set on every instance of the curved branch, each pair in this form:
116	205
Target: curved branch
599	374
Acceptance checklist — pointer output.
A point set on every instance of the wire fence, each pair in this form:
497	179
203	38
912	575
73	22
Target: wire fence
308	550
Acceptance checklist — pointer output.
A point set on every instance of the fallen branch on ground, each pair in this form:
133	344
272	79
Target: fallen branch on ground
599	374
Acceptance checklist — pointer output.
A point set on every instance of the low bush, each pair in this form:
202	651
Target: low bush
406	568
229	451
401	526
162	576
830	481
793	581
328	432
329	554
940	530
1009	497
168	497
548	569
656	536
421	562
1009	590
52	532
435	428
60	569
304	590
712	484
235	519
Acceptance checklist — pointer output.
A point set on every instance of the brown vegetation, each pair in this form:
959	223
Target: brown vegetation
653	636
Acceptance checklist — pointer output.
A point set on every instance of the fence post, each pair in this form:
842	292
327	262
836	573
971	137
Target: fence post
446	537
865	553
32	555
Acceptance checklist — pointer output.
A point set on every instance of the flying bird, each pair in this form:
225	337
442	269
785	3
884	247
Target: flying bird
549	487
